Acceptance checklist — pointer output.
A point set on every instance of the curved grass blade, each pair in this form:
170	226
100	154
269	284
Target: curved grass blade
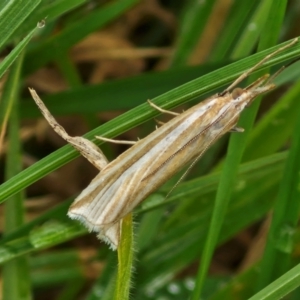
141	114
12	15
232	161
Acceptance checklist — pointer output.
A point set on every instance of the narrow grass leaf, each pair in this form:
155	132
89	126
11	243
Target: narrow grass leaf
252	31
236	22
276	259
280	287
11	57
272	131
16	282
192	26
51	11
125	260
228	177
12	15
141	114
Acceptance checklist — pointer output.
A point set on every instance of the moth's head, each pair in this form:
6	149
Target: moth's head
244	96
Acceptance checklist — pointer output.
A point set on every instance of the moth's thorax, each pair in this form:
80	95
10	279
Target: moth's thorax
219	106
241	98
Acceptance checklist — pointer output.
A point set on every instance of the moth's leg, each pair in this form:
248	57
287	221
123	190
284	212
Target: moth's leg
159	122
88	149
266	58
115	141
237	129
162	110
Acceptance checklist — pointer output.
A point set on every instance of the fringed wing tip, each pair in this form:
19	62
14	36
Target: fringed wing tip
107	241
108	234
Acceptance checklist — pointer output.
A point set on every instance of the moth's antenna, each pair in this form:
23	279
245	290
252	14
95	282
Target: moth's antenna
282	69
247	73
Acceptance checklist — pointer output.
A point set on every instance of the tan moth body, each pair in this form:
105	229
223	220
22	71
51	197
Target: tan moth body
126	181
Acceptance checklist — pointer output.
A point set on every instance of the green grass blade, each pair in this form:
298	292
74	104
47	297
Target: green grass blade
280	287
236	22
50	11
125	260
192	26
58	213
272	131
12	15
252	32
110	95
228	177
150	224
285	217
10	58
57	8
16	282
140	114
73	287
68	70
49	234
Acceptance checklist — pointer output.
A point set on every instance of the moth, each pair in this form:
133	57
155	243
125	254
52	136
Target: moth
126	181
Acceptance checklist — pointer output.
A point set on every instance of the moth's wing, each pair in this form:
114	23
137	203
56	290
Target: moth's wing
120	186
108	198
111	235
103	203
88	208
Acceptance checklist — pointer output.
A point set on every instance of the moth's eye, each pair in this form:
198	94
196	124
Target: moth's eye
237	92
